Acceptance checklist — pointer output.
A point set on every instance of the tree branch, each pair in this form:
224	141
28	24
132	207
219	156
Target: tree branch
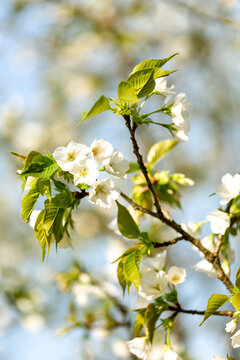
166	219
200	312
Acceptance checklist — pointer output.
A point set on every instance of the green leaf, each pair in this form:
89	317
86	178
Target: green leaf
237	282
101	105
158	150
121	276
129	251
41	167
127	93
152	63
43	238
152	316
133	167
235	300
58	226
214	303
230	357
51	211
139	322
142	82
131	267
29	200
126	224
21	157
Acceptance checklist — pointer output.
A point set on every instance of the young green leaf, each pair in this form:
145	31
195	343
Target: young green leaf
127	93
51	211
29	200
58	226
126	224
237	282
214	303
41	167
133	167
152	316
142	82
101	105
235	300
158	150
230	357
41	235
121	275
131	267
139	322
152	63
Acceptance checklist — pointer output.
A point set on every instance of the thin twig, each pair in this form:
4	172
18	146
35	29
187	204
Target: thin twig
168	243
200	312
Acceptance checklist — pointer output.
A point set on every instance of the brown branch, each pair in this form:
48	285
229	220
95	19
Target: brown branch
218	245
166	219
200	312
138	207
168	243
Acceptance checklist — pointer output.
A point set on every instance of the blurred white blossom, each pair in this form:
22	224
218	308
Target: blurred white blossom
179	109
229	189
161	87
235	340
140	347
170	354
219	221
231	326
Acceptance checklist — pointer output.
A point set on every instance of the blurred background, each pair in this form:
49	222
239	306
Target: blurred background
56	58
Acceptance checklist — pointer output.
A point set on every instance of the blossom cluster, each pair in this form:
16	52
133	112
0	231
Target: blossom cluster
82	162
178	106
154	280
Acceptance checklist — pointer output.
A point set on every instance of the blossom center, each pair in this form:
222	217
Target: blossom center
71	156
83	172
175	278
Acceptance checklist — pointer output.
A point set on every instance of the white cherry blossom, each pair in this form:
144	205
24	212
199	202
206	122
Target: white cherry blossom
229	189
219	221
192	228
182	130
117	166
153	284
176	275
170	354
103	193
217	357
231	326
140	347
156	262
66	157
161	87
205	267
235	340
179	109
85	172
101	151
